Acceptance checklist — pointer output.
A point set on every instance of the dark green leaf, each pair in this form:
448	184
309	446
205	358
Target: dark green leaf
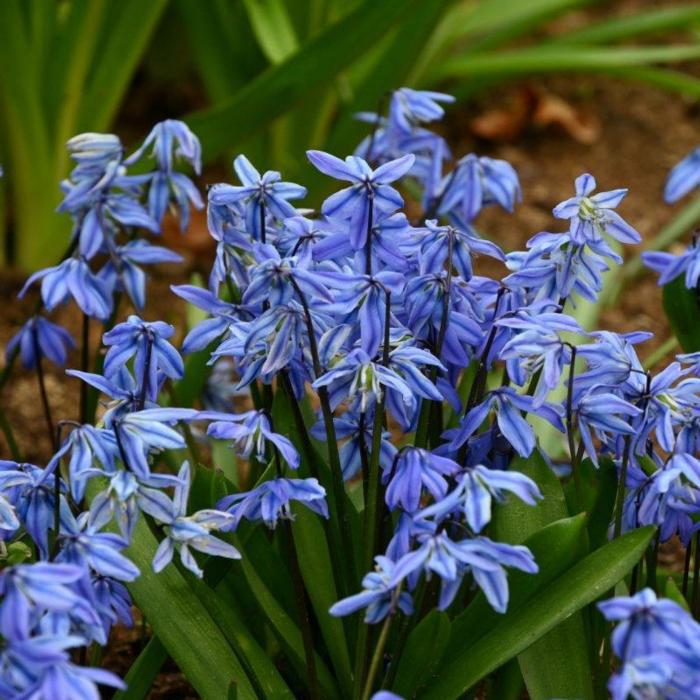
682	308
143	671
415	665
182	623
582	584
556	666
281	87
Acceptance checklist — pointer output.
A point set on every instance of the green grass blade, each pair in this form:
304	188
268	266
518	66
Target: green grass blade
273	28
116	61
221	42
545	59
143	671
221	604
283	86
581	585
654	21
83	41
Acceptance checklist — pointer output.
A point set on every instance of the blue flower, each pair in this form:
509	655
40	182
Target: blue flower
369	194
31	491
40	338
593	215
261	194
381	595
604	413
413	470
475	492
142	432
451	561
170	139
275	279
83	545
223	314
272	500
411	107
43	586
184	533
149	343
438	241
670	266
657	643
250	432
539	347
122	271
684	177
477	182
508	406
73	278
354	430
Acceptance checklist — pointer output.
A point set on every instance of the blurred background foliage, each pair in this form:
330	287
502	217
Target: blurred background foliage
274	77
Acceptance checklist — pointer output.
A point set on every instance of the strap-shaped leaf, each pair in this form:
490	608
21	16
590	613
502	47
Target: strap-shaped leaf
273	28
143	671
582	584
281	87
556	666
183	625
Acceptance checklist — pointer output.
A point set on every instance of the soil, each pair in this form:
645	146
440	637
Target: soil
641	133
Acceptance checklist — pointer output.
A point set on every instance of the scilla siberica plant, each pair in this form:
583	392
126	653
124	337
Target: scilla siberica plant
392	403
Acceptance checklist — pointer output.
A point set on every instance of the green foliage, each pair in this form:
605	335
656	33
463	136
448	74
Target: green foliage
682	306
277	74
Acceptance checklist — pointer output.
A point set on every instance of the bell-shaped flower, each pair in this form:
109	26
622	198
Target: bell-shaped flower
185	533
370	193
73	279
476	490
81	543
670	266
261	194
380	596
477	182
273	499
507	405
684	177
415	469
122	272
250	432
148	342
39	338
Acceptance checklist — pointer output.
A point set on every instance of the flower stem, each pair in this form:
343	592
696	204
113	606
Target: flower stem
338	484
620	498
42	391
146	374
368	242
695	607
686	567
377	656
304	614
573	452
84	366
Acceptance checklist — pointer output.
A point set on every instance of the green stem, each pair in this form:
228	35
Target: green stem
338	484
377	656
620	498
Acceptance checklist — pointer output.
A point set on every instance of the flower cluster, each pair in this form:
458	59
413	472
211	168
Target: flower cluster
657	642
385	322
